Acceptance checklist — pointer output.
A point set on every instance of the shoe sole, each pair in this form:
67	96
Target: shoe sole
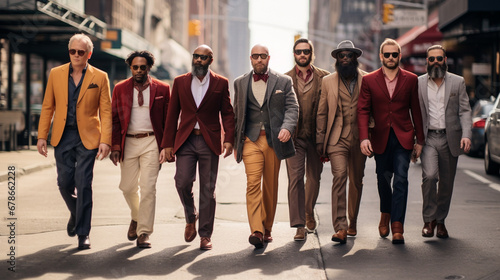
442	236
132	238
398	241
83	247
352	234
144	246
339	240
299	239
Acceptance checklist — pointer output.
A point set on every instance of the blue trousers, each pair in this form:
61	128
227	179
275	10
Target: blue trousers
75	165
394	161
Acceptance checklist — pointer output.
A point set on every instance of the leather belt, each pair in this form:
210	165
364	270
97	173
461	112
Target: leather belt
438	131
140	135
262	133
196	132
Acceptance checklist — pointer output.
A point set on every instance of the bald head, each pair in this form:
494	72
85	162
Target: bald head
204	49
260	49
259	57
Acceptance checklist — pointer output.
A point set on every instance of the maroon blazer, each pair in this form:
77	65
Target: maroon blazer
216	102
122	107
390	112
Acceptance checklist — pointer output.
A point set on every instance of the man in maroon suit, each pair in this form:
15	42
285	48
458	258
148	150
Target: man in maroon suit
139	109
199	97
390	94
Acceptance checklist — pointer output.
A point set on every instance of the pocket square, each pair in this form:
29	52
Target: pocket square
159	97
92	85
278	91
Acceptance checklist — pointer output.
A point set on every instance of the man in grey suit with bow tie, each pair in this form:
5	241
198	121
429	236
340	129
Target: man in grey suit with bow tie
266	113
446	117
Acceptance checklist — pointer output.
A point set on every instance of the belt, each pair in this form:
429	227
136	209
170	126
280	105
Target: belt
438	131
140	135
196	132
262	133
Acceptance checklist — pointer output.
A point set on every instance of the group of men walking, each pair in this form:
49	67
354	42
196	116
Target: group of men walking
306	116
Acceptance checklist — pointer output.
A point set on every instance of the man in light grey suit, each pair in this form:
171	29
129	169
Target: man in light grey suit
266	114
447	127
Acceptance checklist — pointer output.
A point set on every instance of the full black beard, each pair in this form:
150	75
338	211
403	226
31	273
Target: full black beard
199	70
303	64
349	70
437	72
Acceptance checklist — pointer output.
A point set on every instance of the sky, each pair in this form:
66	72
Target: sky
274	23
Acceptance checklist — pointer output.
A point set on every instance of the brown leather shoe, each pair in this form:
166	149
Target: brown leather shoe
383	226
267	236
428	230
132	231
340	236
397	233
300	235
351	230
190	231
205	243
441	231
143	241
310	223
256	239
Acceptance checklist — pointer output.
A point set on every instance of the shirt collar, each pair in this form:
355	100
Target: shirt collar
83	71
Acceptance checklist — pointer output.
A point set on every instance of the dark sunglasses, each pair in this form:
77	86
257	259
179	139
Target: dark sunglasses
388	54
306	52
262	55
143	67
203	57
80	52
342	55
432	58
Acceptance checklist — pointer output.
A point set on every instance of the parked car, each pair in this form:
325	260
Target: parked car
492	140
480	112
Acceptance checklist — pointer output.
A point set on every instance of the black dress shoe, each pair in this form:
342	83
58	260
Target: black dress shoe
71	226
83	242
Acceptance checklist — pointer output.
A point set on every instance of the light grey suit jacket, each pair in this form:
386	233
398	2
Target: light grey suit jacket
456	103
282	106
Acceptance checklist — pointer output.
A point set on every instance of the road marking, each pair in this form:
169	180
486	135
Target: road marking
481	179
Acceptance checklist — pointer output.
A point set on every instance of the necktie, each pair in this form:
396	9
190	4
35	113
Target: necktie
263	77
140	88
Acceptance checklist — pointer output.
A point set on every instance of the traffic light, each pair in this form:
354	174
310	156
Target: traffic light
296	37
387	13
194	27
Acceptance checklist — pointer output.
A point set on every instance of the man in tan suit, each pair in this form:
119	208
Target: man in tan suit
337	137
78	98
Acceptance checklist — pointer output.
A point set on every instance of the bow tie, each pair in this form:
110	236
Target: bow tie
263	77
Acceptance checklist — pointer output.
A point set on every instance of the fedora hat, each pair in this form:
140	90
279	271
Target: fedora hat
346	46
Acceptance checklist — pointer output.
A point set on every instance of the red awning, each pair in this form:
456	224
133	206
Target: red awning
419	38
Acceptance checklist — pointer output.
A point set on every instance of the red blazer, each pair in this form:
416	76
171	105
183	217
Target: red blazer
390	112
122	107
216	102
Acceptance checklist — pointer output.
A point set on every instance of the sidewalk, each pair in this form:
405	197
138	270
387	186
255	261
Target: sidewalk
25	161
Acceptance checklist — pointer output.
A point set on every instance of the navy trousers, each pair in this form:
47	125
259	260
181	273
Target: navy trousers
75	165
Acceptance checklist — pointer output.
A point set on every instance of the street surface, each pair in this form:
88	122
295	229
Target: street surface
44	251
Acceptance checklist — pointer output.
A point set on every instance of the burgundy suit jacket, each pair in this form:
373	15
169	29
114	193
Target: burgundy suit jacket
390	112
122	107
215	106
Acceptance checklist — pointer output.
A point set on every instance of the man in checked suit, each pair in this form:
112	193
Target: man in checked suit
266	111
447	129
390	95
139	111
77	97
198	98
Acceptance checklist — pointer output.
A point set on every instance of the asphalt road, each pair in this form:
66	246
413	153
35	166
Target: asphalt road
44	251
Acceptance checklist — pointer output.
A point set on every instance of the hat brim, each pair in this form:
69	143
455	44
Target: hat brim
357	51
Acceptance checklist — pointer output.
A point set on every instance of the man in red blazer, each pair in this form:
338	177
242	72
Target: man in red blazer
139	107
199	97
390	94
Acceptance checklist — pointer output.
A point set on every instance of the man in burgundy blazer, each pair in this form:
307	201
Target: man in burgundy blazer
390	94
201	99
139	109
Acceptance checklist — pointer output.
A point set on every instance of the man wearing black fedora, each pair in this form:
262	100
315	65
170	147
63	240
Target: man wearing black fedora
337	137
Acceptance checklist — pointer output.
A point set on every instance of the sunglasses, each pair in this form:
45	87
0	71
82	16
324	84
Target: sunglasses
342	55
432	58
203	57
306	52
262	55
143	67
394	54
80	52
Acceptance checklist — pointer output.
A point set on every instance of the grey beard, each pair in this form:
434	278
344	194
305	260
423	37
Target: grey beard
437	72
199	71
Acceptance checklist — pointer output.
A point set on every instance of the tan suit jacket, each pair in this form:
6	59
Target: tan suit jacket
328	130
93	108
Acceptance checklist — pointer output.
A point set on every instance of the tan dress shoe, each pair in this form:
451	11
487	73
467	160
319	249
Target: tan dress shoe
143	241
397	233
310	223
300	235
441	231
351	230
383	226
428	229
190	232
205	243
340	236
132	231
267	236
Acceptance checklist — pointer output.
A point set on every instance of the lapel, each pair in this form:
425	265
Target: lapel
336	84
152	93
64	85
358	84
187	89
212	84
342	88
89	76
381	83
423	90
246	83
271	83
401	82
447	89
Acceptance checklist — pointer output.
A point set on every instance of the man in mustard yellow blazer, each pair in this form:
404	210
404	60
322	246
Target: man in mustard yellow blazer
77	97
